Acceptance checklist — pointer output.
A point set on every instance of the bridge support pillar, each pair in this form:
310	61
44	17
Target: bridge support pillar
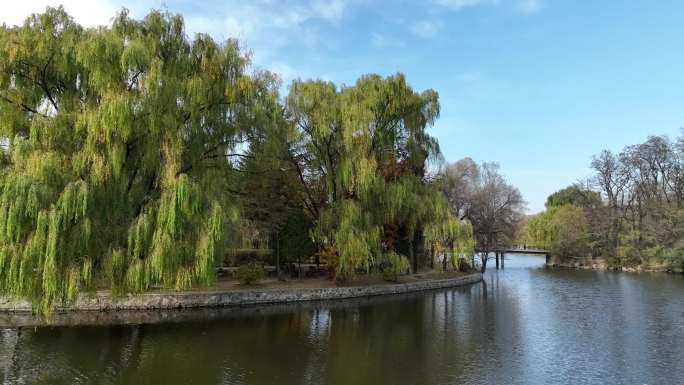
496	253
502	259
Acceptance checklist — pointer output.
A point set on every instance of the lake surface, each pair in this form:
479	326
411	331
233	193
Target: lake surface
522	325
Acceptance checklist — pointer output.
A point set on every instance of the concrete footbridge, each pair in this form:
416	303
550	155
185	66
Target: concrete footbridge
499	252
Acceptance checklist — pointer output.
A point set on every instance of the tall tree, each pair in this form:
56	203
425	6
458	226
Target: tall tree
116	140
361	153
561	229
481	195
574	195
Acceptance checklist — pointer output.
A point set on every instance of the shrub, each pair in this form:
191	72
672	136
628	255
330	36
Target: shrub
249	273
239	256
675	258
393	266
464	265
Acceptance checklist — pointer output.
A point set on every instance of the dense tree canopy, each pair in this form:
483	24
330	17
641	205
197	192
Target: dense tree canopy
361	153
561	229
574	195
133	156
115	145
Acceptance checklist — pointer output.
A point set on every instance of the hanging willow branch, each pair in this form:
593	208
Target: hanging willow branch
96	193
368	146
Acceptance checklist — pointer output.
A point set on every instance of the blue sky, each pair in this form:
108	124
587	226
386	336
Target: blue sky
536	85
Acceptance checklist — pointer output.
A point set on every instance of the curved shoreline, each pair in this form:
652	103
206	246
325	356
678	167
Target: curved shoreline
104	302
601	265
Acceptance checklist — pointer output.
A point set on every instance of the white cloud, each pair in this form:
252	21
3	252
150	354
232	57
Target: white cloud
426	29
263	26
383	41
266	26
258	20
250	20
86	12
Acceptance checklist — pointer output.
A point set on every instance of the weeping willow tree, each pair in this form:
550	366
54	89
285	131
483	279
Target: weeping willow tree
361	153
562	229
114	148
449	236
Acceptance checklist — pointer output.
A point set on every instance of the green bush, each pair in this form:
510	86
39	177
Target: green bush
249	273
393	266
675	258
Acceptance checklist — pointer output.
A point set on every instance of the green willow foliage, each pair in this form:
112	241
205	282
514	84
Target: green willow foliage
114	143
119	148
447	233
362	153
561	229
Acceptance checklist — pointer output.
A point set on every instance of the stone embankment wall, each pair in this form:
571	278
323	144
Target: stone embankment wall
208	299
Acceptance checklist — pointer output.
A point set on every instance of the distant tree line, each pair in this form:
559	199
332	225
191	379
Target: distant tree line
631	212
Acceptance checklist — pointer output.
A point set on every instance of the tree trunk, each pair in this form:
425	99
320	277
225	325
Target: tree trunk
432	257
484	261
412	254
277	255
453	255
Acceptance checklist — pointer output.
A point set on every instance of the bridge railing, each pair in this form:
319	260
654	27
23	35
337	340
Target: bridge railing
527	247
513	247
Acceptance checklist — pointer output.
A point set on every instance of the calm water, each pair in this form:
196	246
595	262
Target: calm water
523	325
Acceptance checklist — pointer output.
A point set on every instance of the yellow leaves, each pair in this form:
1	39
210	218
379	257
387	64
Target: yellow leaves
241	90
99	172
184	278
11	49
171	162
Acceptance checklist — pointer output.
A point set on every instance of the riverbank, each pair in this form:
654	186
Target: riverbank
603	265
227	295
